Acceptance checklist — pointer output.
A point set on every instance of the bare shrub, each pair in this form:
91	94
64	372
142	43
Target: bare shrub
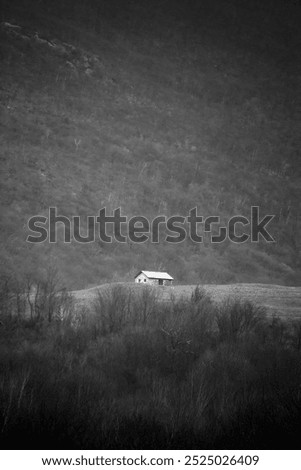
188	325
278	331
145	303
6	296
46	299
12	299
237	318
296	324
198	294
113	308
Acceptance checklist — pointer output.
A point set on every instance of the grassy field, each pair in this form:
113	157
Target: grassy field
282	301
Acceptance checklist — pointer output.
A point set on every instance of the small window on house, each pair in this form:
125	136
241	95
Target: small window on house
144	280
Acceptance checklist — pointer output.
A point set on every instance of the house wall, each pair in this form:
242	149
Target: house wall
142	279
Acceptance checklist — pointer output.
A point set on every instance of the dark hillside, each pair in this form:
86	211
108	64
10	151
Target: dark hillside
154	107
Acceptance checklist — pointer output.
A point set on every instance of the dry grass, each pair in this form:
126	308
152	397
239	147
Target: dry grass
282	301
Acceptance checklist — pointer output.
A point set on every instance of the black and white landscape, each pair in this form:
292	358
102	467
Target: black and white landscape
152	108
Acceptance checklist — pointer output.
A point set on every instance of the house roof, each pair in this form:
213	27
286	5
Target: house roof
156	275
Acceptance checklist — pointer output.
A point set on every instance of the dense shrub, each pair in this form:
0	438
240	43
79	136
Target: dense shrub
236	319
137	372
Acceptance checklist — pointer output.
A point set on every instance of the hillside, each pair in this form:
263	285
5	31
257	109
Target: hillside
156	108
279	301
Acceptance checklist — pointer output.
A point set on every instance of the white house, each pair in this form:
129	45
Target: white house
156	278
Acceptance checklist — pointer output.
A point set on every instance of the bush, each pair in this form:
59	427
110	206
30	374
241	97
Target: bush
198	294
137	372
236	319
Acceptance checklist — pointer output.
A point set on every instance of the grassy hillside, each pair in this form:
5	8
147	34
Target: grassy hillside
280	301
156	107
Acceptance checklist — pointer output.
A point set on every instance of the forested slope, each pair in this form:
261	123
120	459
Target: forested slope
154	107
